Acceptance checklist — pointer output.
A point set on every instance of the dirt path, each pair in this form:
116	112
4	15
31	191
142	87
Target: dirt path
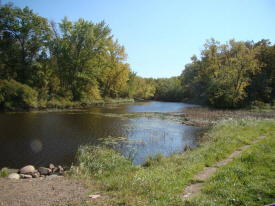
38	191
208	171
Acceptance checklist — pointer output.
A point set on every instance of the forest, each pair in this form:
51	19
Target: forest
44	64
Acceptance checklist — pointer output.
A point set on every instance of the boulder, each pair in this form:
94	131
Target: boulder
36	174
27	169
51	166
44	171
14	176
60	170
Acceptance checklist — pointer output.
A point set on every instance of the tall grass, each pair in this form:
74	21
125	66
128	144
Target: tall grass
99	162
205	117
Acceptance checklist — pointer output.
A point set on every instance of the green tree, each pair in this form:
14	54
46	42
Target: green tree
222	74
78	56
24	35
168	89
145	88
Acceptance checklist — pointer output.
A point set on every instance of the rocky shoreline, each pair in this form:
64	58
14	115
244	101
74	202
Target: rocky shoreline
29	172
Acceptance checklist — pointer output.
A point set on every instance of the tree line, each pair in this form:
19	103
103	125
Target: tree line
232	75
43	62
48	64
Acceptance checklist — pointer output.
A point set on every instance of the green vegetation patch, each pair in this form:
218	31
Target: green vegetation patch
248	180
160	181
4	172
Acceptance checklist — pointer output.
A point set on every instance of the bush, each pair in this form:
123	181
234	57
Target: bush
15	95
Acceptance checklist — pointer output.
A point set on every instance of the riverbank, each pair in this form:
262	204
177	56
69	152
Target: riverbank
66	104
162	181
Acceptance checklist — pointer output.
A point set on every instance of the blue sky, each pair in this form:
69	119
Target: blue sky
160	36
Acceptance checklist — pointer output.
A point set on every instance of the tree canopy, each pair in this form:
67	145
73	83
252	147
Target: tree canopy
66	61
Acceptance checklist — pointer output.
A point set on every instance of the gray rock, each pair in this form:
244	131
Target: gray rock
51	177
44	171
27	169
14	176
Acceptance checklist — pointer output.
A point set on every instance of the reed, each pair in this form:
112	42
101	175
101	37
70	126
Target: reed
205	117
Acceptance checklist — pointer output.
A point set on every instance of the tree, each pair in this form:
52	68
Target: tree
78	55
168	89
24	35
222	74
145	88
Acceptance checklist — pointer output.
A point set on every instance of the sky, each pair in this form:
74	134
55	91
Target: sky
160	36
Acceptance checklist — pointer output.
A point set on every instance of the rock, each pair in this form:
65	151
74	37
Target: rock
51	177
44	171
36	174
14	176
27	169
27	177
94	196
55	170
60	170
51	166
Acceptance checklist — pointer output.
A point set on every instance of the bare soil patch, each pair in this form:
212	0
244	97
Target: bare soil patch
38	191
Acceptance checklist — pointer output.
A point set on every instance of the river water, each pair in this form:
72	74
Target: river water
42	137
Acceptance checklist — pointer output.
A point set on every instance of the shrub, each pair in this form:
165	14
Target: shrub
15	95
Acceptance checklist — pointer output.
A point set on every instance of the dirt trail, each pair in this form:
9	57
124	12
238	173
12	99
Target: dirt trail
208	171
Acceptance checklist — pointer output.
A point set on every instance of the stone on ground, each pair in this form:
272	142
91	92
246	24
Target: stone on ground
14	176
44	171
27	169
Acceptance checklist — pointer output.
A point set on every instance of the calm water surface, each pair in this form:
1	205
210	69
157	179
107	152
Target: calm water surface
40	138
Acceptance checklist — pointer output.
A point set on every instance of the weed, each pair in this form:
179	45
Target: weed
4	172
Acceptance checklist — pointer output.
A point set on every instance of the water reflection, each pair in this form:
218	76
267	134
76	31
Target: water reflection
40	138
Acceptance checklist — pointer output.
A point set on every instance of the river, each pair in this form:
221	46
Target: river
42	137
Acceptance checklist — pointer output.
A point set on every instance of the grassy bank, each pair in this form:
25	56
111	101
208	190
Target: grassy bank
161	181
61	103
248	180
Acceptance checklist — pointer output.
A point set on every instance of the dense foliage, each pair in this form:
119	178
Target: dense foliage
69	61
232	75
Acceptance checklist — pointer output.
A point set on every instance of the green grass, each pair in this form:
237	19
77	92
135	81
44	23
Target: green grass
162	180
248	180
